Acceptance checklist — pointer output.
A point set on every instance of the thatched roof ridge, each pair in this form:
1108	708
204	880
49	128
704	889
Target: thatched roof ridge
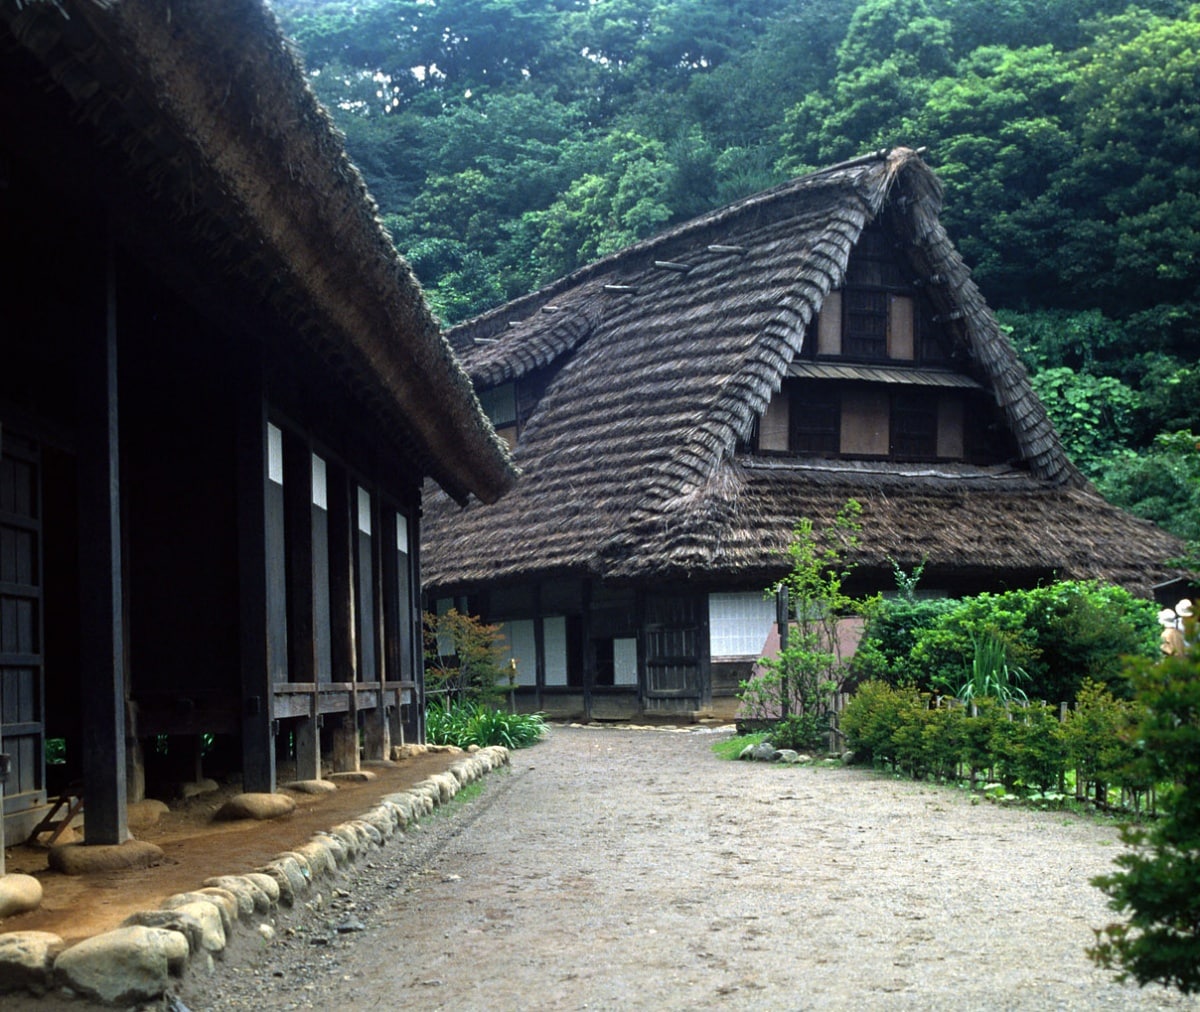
207	108
667	352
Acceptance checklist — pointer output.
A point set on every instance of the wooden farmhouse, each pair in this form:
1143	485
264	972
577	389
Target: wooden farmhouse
220	393
677	407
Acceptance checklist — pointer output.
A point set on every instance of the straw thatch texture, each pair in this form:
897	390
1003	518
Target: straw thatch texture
667	353
229	169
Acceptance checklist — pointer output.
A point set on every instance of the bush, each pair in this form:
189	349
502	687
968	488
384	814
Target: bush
873	715
1159	881
1058	635
467	724
803	732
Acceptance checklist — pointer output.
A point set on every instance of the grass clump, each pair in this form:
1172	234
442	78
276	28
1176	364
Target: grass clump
731	748
465	724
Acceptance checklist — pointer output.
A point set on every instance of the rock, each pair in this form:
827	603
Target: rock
400	752
124	966
312	787
80	859
256	805
224	912
141	814
238	902
353	777
172	920
208	913
267	932
788	755
319	857
763	752
266	883
197	788
246	892
289	879
26	960
349	839
19	893
336	847
381	818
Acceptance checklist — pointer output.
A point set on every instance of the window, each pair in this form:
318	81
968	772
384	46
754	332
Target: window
830	419
521	646
865	324
739	623
914	426
814	418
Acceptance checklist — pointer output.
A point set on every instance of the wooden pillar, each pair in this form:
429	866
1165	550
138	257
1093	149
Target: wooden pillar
308	748
589	655
377	733
258	748
302	644
415	631
101	618
342	517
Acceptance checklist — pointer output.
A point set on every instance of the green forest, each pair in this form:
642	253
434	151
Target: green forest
510	141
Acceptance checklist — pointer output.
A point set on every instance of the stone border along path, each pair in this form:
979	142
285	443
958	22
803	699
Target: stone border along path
135	963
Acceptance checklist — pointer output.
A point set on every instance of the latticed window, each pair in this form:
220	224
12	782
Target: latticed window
914	426
865	329
815	419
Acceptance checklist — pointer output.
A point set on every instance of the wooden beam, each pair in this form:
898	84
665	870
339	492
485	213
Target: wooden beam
102	626
258	748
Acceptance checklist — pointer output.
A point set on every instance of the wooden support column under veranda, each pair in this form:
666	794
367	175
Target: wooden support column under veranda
101	612
258	747
341	618
301	620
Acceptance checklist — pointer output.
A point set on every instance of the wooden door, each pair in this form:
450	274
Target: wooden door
676	650
22	721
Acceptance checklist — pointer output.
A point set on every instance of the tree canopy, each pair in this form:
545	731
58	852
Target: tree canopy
510	141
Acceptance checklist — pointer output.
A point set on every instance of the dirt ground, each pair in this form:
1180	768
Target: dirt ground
623	869
196	848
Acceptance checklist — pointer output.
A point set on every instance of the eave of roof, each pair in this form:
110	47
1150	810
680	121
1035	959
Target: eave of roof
210	109
889	374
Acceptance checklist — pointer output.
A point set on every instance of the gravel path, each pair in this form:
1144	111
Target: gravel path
632	869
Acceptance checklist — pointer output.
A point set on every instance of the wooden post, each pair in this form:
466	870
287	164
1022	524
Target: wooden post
301	624
101	614
258	747
783	616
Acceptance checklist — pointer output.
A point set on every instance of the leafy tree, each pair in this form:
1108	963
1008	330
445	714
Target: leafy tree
1158	884
1094	415
462	658
1162	485
797	684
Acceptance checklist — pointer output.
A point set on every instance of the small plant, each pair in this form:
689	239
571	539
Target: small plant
797	685
990	674
462	658
466	724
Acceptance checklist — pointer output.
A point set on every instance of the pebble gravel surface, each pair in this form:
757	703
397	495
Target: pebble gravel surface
632	869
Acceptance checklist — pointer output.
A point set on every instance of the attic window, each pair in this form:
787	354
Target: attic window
500	404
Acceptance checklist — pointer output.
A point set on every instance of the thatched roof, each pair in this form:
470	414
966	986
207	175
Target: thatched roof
227	167
668	351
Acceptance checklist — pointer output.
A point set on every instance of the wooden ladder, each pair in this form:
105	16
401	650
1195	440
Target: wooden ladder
52	821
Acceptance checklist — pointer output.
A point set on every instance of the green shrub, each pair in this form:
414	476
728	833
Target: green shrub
1158	885
466	724
803	732
1098	740
873	715
1034	748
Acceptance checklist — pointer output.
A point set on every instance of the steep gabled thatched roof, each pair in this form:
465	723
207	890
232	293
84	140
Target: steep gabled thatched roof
668	351
231	173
